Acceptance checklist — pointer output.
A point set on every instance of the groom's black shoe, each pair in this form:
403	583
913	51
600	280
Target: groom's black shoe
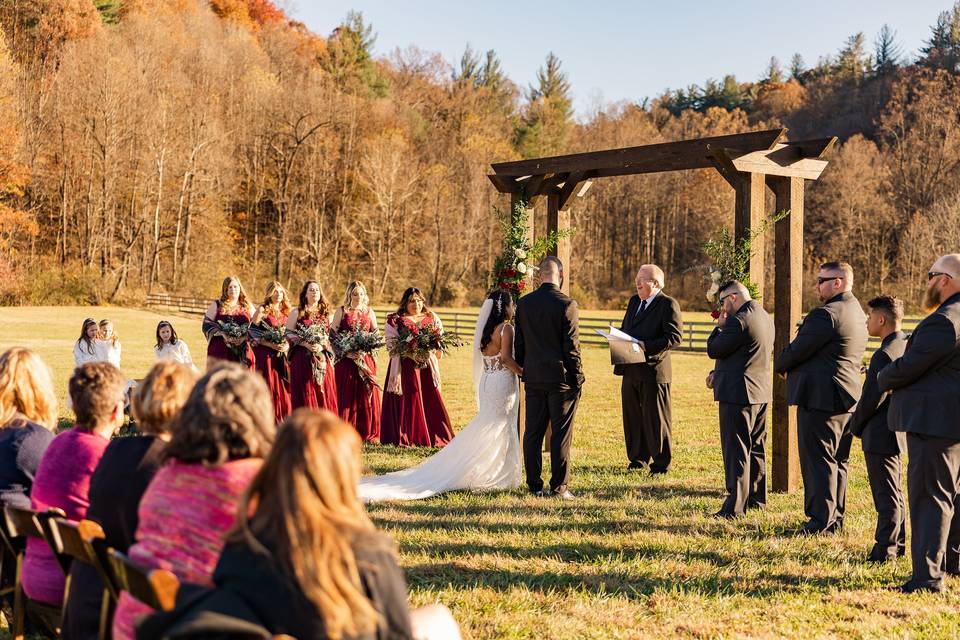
637	465
539	493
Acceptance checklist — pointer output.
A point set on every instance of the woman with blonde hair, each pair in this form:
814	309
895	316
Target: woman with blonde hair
358	394
231	309
119	482
28	416
218	442
270	351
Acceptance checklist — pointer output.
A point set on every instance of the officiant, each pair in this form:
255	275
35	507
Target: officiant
653	318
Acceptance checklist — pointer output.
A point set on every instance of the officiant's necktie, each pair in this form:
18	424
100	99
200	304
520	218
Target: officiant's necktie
643	306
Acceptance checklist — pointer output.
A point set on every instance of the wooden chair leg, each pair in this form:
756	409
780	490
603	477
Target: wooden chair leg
19	610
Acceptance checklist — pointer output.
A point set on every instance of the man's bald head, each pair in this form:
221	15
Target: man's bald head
944	281
551	270
948	264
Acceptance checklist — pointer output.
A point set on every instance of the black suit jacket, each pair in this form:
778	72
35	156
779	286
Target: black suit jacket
869	421
743	349
547	343
926	380
823	362
660	327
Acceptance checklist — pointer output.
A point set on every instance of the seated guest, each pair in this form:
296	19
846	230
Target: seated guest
218	441
86	348
119	482
63	479
28	414
108	343
882	448
307	560
171	347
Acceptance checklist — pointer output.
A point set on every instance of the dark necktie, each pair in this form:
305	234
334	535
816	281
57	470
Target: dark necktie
643	307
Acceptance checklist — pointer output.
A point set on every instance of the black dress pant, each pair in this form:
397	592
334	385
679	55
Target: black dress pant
933	468
743	432
549	407
883	471
646	421
824	440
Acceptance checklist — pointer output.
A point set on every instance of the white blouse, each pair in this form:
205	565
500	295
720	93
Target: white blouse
82	356
109	351
179	352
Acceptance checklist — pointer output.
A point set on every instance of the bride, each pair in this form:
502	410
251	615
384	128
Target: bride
485	455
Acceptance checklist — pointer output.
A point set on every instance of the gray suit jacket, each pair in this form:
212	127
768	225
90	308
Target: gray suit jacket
547	343
869	421
926	380
823	362
742	349
660	327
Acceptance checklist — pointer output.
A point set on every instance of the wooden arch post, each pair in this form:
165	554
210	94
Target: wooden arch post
750	163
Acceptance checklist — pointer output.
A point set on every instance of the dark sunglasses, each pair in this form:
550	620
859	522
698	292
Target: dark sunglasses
820	281
722	298
936	274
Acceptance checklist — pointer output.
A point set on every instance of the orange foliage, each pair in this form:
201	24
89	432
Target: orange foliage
252	14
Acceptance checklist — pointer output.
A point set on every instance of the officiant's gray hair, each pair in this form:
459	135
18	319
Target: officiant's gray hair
657	274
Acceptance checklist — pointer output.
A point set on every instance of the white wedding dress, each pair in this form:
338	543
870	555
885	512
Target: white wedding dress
484	455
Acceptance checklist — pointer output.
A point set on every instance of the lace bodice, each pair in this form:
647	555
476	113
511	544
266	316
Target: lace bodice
493	363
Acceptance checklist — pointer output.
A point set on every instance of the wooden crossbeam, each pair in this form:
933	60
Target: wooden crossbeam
572	184
666	156
783	160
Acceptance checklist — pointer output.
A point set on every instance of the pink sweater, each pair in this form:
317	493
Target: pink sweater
63	480
184	515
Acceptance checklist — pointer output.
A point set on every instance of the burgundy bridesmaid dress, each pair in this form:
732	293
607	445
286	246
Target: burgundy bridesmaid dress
418	417
358	400
304	390
272	365
219	349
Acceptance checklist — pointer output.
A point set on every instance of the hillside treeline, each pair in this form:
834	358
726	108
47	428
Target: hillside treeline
161	144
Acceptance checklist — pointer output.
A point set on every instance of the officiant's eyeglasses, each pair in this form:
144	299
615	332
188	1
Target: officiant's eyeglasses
936	274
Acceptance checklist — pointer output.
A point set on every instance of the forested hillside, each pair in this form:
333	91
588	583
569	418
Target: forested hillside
161	144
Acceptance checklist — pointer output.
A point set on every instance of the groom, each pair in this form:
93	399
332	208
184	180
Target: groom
547	346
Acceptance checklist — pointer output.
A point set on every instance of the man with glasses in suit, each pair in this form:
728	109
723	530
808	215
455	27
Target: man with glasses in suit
822	366
925	404
653	318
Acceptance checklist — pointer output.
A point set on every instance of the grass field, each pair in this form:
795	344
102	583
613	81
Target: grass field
634	557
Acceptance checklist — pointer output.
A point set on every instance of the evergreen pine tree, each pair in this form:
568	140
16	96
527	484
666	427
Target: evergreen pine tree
774	72
797	67
887	51
546	124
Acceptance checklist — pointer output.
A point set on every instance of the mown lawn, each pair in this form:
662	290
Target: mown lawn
634	557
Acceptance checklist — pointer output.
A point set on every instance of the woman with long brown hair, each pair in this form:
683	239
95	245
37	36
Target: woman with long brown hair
231	309
312	381
303	554
414	413
270	352
358	394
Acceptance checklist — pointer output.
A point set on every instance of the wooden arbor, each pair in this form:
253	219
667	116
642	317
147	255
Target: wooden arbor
749	162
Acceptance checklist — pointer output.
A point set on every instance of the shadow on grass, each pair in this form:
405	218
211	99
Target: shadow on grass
444	575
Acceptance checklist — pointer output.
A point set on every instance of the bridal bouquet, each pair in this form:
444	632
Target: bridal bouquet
315	334
354	344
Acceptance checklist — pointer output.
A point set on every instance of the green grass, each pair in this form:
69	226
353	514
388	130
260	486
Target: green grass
634	557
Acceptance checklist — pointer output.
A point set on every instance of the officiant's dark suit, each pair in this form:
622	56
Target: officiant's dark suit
743	385
547	346
645	389
925	404
823	381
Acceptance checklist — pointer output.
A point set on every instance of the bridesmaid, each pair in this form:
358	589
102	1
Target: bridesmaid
413	410
231	307
271	360
307	389
358	396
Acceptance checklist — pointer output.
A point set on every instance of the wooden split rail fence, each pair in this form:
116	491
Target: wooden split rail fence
463	322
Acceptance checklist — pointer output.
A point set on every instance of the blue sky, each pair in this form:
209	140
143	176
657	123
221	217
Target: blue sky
620	50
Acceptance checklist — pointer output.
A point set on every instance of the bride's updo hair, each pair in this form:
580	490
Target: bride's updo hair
501	300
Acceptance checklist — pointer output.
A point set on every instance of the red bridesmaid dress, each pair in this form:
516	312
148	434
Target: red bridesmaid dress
273	366
219	349
417	417
304	389
359	400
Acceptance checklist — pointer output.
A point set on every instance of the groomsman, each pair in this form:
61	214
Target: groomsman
742	381
653	318
881	446
925	404
822	366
